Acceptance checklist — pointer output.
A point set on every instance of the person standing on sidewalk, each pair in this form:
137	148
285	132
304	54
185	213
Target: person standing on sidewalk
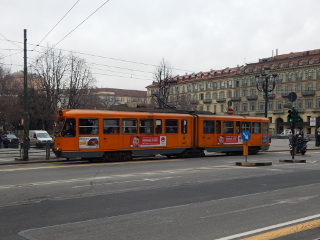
318	139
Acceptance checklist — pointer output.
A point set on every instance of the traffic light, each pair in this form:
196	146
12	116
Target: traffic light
296	116
290	115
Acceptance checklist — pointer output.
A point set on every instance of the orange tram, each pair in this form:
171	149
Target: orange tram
107	135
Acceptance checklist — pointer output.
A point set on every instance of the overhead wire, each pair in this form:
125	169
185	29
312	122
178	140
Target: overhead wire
56	25
105	65
81	23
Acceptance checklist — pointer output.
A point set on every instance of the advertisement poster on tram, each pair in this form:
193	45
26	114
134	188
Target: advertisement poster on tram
88	142
229	139
146	141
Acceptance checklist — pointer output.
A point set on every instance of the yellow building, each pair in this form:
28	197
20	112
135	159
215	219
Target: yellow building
215	90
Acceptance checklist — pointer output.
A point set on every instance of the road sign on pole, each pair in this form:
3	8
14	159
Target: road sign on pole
230	111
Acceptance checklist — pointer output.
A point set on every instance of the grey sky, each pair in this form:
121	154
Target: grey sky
193	35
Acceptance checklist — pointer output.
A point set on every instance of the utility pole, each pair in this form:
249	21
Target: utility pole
25	103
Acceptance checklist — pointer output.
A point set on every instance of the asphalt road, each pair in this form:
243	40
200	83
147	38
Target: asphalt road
203	198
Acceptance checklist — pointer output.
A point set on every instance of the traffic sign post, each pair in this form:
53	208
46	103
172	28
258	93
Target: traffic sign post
230	111
245	138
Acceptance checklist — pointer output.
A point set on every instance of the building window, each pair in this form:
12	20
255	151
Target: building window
318	102
279	89
299	103
244	92
309	75
244	82
299	76
298	88
221	95
230	84
229	93
318	73
288	88
214	95
215	86
279	105
261	106
309	87
244	107
236	107
252	106
309	103
270	105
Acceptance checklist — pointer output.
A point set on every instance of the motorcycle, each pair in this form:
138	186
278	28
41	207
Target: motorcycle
300	144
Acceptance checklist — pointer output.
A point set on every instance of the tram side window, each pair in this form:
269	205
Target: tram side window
146	126
208	126
184	126
171	126
256	127
228	127
238	127
88	126
111	126
158	126
129	126
246	126
265	128
218	127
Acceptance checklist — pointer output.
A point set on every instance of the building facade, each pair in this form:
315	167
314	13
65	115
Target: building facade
115	96
218	90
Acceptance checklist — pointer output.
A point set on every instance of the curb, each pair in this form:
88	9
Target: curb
247	164
292	161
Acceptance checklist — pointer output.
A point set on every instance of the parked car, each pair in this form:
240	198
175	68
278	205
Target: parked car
13	141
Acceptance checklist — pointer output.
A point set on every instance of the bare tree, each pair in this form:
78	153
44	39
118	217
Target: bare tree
78	83
10	113
163	76
50	70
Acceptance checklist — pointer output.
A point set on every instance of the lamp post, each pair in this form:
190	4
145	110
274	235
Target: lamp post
267	84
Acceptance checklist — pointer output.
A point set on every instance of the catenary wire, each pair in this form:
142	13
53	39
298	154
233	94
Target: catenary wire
81	23
56	25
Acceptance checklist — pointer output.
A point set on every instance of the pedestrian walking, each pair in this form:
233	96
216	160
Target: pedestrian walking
6	142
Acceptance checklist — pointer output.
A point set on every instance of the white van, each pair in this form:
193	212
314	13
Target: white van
40	138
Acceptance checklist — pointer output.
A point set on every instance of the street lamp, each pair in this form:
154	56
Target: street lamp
267	84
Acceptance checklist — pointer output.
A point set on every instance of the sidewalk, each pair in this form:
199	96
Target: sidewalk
38	155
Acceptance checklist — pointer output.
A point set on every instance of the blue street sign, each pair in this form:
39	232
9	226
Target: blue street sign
246	136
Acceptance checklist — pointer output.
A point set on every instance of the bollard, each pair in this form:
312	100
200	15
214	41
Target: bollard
47	151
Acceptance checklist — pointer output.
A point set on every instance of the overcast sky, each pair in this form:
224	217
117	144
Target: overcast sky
125	39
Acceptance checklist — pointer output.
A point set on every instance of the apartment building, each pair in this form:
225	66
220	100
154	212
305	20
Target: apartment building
218	90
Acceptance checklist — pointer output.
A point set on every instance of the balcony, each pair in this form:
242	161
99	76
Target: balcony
285	95
219	100
236	99
207	100
308	93
278	111
287	105
253	97
271	95
194	101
